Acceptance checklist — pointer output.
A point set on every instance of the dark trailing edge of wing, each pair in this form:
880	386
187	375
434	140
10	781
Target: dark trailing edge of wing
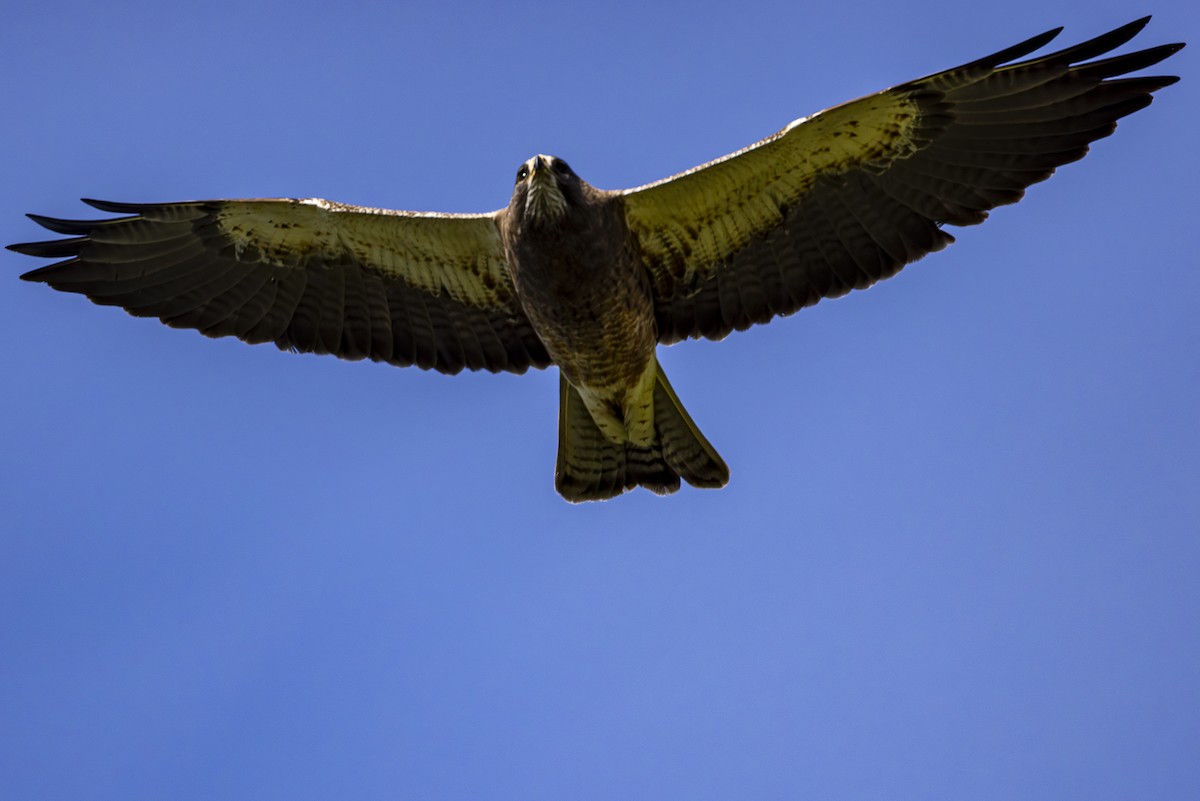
170	261
985	132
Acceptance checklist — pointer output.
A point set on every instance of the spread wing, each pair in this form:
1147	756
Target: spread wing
309	275
839	200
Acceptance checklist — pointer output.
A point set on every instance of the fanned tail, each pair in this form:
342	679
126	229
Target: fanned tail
592	468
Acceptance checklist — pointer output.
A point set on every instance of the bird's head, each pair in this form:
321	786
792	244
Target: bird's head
545	191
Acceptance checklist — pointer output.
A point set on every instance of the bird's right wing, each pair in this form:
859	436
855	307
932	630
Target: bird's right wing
839	200
309	275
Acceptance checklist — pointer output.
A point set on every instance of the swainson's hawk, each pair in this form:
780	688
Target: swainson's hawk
592	281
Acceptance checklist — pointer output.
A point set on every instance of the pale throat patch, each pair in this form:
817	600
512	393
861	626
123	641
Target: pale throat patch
544	200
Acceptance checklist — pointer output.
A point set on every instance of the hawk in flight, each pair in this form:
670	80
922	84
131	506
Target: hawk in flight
591	280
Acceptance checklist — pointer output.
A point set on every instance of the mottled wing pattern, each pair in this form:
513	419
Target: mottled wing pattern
839	200
308	275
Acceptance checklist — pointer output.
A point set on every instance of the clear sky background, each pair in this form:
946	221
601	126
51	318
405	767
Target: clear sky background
957	559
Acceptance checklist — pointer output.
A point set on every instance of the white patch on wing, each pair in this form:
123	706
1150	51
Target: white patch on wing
800	121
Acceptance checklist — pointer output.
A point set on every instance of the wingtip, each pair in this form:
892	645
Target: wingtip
24	248
53	224
37	275
115	207
1104	42
1130	30
1019	50
1050	35
1043	39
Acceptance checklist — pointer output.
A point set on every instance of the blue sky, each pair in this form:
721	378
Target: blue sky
957	558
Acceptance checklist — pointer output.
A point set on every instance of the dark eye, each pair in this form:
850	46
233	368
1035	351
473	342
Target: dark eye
561	168
523	173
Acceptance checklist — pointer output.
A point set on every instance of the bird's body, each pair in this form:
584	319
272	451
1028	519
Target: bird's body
592	281
589	301
583	287
578	272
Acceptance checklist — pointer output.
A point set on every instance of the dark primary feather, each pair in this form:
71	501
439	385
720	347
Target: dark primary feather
175	262
982	134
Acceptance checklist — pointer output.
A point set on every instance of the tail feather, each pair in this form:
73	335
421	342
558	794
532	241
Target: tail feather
591	467
684	447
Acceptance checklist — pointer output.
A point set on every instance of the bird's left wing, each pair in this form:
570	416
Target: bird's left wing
839	200
309	275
